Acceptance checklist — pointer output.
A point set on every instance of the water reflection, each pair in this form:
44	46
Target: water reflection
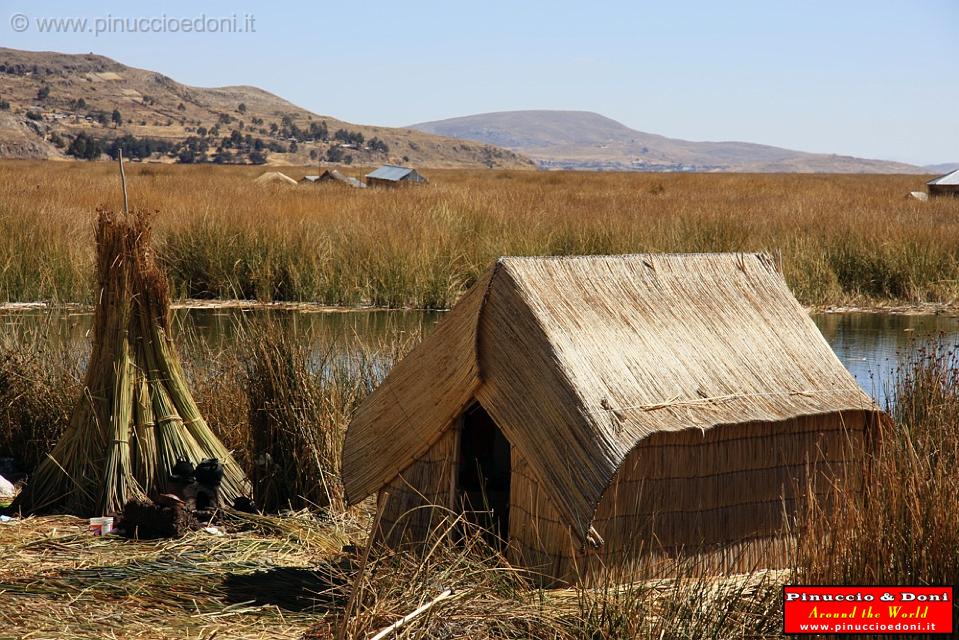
870	345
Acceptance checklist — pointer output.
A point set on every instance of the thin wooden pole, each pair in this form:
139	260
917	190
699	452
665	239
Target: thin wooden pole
399	623
358	580
123	181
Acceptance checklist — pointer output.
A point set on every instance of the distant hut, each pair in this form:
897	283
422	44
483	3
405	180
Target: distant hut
947	185
596	410
274	177
334	176
391	175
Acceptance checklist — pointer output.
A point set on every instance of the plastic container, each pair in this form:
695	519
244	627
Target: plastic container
101	526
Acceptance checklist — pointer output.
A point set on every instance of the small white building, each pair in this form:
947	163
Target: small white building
947	185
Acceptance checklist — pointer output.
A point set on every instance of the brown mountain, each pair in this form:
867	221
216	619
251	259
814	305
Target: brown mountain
586	140
46	99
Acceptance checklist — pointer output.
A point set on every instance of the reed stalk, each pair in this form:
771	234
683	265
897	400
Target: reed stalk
135	416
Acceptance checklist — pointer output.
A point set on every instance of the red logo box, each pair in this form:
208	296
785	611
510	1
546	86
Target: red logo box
867	610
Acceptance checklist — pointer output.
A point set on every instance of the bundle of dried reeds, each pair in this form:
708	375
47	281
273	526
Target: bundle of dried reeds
135	416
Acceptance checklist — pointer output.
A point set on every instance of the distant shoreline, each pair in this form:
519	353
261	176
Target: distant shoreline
887	308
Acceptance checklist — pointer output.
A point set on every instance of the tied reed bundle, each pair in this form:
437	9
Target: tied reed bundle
135	416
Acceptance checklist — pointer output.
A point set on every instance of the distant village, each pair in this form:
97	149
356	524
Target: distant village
219	144
387	176
81	130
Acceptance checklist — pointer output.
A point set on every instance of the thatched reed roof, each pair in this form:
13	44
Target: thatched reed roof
274	177
579	359
333	175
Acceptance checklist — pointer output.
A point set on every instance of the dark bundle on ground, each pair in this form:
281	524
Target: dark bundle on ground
135	416
168	517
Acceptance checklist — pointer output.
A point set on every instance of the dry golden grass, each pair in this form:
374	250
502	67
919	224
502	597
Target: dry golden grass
58	581
842	239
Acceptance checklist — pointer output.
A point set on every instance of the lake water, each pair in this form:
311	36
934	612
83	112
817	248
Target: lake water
870	345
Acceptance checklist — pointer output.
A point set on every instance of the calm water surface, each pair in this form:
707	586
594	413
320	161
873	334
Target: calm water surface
870	345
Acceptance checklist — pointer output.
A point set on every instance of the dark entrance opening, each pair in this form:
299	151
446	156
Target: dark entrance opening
484	474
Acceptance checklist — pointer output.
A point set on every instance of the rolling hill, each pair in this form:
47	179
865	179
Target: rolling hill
586	140
47	99
945	167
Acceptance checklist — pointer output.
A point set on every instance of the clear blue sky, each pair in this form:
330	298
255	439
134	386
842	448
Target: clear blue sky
870	78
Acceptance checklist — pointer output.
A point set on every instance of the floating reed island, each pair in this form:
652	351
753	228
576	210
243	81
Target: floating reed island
136	417
598	411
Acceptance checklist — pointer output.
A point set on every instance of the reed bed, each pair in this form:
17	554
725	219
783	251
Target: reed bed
287	577
40	379
842	239
904	528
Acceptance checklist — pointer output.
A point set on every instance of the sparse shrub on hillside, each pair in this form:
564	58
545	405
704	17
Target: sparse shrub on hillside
138	148
378	146
349	137
43	92
85	147
34	115
319	131
334	153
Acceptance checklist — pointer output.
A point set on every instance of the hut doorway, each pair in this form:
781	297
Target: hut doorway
484	474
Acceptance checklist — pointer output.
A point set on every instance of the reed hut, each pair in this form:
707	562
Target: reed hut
391	175
947	185
590	410
274	177
335	177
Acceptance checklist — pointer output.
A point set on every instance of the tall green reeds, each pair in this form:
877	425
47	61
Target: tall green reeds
842	239
40	378
904	528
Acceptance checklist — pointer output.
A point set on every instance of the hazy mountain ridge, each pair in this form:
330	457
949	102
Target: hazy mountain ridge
943	168
586	140
48	98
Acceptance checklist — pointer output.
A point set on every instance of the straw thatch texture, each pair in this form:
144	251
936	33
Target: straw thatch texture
274	177
580	359
409	515
726	494
401	419
136	415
